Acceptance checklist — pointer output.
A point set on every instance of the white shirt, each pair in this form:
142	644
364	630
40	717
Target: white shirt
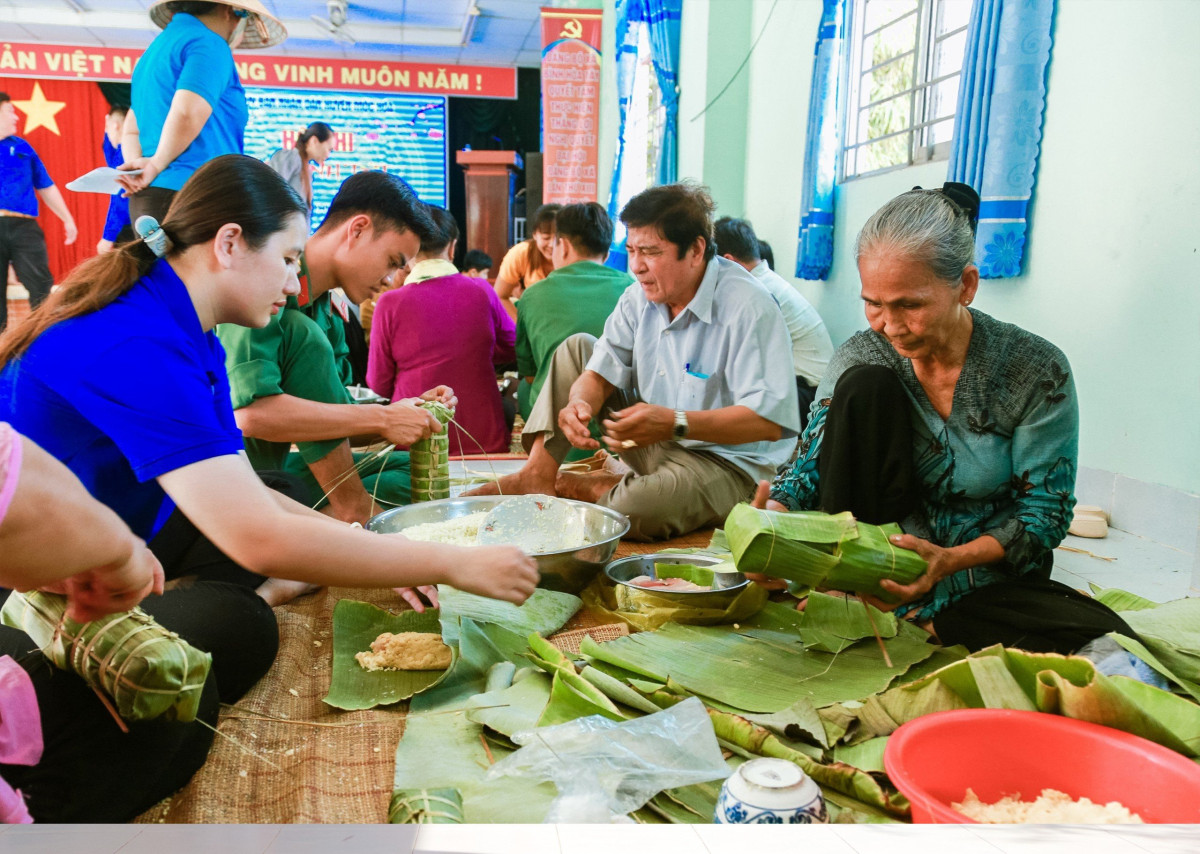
721	350
811	347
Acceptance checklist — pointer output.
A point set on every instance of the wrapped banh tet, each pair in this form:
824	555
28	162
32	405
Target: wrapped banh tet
144	669
429	459
816	549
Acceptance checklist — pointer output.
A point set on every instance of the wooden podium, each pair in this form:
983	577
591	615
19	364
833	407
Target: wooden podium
491	180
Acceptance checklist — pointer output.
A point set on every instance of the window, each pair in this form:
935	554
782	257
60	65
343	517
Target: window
904	66
643	124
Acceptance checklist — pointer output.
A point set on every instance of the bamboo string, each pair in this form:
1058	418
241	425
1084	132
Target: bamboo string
237	743
887	659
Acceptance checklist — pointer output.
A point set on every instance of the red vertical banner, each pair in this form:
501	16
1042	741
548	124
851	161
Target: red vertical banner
570	104
64	122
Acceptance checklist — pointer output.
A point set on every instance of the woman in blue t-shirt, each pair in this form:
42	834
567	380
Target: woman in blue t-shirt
120	376
188	102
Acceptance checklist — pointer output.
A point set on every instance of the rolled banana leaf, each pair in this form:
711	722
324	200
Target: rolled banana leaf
819	549
144	669
429	459
426	806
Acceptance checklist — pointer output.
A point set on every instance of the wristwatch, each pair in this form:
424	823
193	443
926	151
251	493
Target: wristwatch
680	430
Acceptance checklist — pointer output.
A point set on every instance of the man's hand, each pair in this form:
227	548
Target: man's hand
412	595
111	589
638	426
444	395
942	562
405	423
136	183
573	421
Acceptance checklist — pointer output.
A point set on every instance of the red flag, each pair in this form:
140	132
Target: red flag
64	122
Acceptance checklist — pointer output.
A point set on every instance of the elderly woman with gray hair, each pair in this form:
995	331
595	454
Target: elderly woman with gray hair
960	427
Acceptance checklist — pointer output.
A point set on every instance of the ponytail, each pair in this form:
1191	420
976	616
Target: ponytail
321	132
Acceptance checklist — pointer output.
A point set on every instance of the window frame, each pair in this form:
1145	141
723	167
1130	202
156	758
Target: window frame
924	52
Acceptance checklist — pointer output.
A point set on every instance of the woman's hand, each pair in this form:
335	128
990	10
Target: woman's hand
499	572
638	426
137	183
941	563
762	502
412	595
111	589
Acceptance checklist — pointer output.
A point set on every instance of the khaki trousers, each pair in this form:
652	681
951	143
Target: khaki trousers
671	491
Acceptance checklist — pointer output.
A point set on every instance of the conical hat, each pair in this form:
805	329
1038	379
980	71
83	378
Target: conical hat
262	30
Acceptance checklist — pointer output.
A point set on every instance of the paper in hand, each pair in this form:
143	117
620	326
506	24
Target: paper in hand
102	180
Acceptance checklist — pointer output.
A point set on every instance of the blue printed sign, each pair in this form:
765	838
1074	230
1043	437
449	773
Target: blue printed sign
401	134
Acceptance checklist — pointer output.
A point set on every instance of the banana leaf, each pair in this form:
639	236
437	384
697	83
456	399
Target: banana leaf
618	691
1137	648
815	549
699	575
865	756
757	674
513	709
1121	600
573	697
545	612
426	806
147	671
855	784
1172	634
355	626
833	623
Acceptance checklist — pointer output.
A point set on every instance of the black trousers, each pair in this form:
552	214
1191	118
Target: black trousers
90	771
866	466
23	245
804	396
152	201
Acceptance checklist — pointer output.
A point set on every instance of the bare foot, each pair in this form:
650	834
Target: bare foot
585	487
280	591
523	482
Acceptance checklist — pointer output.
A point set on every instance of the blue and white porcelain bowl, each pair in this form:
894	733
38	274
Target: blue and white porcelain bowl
770	791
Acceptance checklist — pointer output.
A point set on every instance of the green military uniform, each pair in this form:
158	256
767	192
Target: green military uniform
576	298
303	352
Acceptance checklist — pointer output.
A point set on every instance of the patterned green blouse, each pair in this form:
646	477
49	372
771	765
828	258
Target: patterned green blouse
1003	464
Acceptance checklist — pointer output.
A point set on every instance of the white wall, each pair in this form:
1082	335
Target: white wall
1113	265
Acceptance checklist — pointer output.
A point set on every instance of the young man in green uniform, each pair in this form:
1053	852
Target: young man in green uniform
577	297
288	380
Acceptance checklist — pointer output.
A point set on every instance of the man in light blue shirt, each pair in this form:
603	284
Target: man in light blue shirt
692	380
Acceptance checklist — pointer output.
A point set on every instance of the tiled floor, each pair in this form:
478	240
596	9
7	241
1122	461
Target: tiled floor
596	839
1141	566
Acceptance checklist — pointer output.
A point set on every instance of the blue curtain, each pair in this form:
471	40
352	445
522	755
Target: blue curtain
998	124
661	18
823	145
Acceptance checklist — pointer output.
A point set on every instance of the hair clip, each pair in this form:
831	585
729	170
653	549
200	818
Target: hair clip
152	235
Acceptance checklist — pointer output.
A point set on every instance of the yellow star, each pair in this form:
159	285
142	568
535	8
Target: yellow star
40	112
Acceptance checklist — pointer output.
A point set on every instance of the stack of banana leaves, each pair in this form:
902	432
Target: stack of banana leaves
810	687
814	549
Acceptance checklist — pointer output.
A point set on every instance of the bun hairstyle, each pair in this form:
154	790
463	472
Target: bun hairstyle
321	132
936	227
231	188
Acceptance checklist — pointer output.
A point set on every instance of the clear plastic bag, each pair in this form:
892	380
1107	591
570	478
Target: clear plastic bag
605	769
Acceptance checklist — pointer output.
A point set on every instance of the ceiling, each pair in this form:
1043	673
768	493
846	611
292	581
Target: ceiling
460	32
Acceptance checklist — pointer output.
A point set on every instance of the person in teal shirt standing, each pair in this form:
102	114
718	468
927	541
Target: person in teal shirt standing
188	102
577	297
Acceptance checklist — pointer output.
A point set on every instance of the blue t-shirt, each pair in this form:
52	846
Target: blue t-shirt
118	204
188	55
21	172
125	394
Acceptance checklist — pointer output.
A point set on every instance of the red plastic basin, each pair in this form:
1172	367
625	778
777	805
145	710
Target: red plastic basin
996	752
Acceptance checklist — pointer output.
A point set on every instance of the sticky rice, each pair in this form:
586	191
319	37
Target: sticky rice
1051	807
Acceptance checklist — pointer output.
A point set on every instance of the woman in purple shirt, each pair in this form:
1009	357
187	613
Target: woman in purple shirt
444	328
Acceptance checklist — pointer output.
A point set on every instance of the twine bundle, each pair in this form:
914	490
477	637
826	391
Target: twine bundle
429	459
144	669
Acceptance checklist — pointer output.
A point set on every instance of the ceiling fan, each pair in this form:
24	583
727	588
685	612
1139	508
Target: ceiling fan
335	22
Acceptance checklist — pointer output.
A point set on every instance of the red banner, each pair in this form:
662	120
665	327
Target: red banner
570	104
68	62
64	122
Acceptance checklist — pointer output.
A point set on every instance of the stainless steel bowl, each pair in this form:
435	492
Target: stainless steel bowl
569	570
726	585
